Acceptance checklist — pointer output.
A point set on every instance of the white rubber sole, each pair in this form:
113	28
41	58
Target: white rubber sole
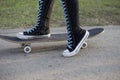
67	53
21	36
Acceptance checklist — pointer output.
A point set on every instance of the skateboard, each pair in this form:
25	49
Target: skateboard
26	44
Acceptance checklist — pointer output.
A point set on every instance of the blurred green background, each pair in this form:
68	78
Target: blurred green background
23	13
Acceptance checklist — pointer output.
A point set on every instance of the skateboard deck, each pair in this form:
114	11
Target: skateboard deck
54	37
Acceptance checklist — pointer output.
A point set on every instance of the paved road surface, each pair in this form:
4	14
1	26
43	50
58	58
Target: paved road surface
100	61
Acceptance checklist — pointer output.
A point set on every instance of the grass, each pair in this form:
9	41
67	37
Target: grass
23	13
100	12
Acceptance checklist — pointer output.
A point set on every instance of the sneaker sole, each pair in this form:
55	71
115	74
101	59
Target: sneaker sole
21	36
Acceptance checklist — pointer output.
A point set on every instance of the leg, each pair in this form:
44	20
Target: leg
41	28
76	35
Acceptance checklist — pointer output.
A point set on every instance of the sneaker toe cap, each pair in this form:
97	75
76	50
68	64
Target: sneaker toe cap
66	53
19	35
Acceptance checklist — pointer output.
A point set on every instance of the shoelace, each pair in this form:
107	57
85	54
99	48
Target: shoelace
38	17
69	34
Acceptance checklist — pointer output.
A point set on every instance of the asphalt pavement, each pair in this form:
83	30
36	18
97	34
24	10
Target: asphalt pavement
100	61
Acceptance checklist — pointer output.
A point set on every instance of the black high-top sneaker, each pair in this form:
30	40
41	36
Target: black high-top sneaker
76	35
41	28
79	40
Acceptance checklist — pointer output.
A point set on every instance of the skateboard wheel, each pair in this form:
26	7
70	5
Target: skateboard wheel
27	49
84	45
